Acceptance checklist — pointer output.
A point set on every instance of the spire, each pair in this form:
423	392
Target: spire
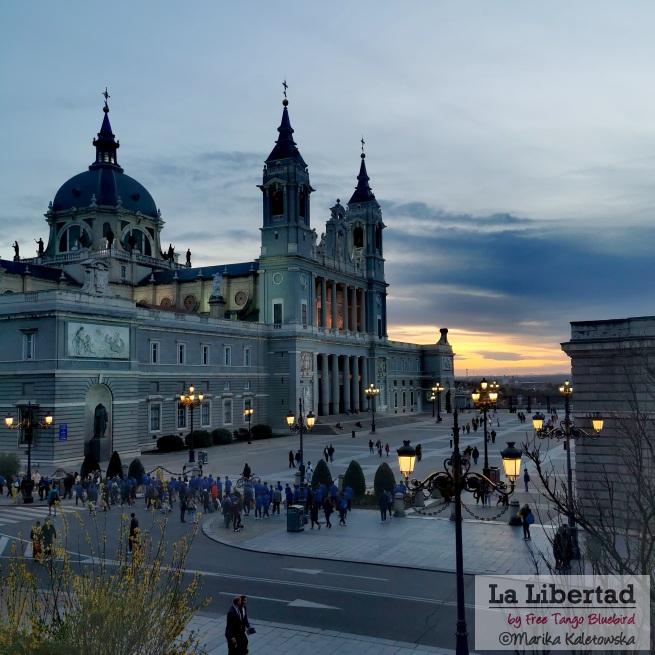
363	192
285	146
106	144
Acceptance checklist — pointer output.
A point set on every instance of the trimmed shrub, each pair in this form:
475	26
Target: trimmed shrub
9	465
201	439
170	442
241	434
115	467
354	477
136	470
221	436
321	475
89	465
261	431
384	480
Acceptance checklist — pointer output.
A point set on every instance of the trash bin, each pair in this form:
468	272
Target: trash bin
494	474
202	457
295	518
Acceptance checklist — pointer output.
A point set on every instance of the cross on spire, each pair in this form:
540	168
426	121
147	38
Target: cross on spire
363	144
286	86
106	96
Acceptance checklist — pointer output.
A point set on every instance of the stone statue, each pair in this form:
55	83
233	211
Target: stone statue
131	241
109	235
171	252
100	419
188	258
39	252
216	285
16	248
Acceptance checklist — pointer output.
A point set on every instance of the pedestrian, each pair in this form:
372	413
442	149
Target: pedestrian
326	454
386	449
348	495
235	630
331	452
328	508
246	471
244	617
343	509
277	499
493	436
309	471
527	519
227	511
370	446
184	505
384	504
36	538
419	452
49	534
475	454
53	500
526	479
313	514
133	538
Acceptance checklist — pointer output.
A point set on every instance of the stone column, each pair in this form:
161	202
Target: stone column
363	305
334	304
355	385
346	327
316	394
346	384
335	385
364	368
355	317
323	302
325	385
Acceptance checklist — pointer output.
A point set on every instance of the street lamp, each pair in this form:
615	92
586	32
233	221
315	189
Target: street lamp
450	482
567	431
28	423
191	399
247	414
437	390
300	424
485	397
371	392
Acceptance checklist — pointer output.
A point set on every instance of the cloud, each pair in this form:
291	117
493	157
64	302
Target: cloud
501	356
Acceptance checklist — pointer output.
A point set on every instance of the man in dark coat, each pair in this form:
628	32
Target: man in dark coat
235	630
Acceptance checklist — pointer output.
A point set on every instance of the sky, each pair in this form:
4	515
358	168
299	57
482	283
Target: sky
510	144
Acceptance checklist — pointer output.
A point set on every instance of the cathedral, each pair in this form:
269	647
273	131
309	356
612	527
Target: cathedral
107	321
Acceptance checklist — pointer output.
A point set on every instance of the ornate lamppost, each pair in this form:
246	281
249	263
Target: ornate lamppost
437	390
247	414
485	397
191	399
567	430
28	422
300	424
450	482
371	392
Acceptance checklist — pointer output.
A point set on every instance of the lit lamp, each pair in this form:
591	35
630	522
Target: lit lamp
299	425
597	423
475	396
9	421
538	421
511	457
191	400
406	459
247	414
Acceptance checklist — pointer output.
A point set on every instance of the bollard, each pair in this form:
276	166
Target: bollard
514	518
353	434
399	504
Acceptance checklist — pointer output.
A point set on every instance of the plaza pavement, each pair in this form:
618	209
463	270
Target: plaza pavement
490	547
281	638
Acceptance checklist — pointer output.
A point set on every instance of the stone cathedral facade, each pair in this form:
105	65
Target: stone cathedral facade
107	319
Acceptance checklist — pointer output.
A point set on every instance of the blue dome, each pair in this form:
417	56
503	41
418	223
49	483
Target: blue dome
107	183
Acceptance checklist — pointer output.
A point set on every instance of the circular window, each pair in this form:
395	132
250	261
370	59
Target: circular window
190	303
277	278
165	302
240	298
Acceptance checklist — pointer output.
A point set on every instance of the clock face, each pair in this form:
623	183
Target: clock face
240	298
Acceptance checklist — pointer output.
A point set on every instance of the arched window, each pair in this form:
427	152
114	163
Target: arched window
378	237
277	201
137	240
74	238
358	237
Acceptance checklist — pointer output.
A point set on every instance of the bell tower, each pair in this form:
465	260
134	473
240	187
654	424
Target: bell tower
286	196
364	218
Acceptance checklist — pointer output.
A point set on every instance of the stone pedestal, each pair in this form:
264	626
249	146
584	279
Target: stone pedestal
399	505
217	307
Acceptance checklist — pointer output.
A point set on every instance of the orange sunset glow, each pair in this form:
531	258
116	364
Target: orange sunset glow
486	353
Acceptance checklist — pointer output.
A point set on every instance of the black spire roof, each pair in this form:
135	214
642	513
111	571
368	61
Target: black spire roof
285	146
363	192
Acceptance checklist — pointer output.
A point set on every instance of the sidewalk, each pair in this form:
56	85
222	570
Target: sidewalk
280	639
423	542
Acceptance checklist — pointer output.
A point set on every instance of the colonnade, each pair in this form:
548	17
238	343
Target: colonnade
339	306
341	383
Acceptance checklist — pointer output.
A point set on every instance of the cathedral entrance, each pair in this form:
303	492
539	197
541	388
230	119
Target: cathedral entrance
98	422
